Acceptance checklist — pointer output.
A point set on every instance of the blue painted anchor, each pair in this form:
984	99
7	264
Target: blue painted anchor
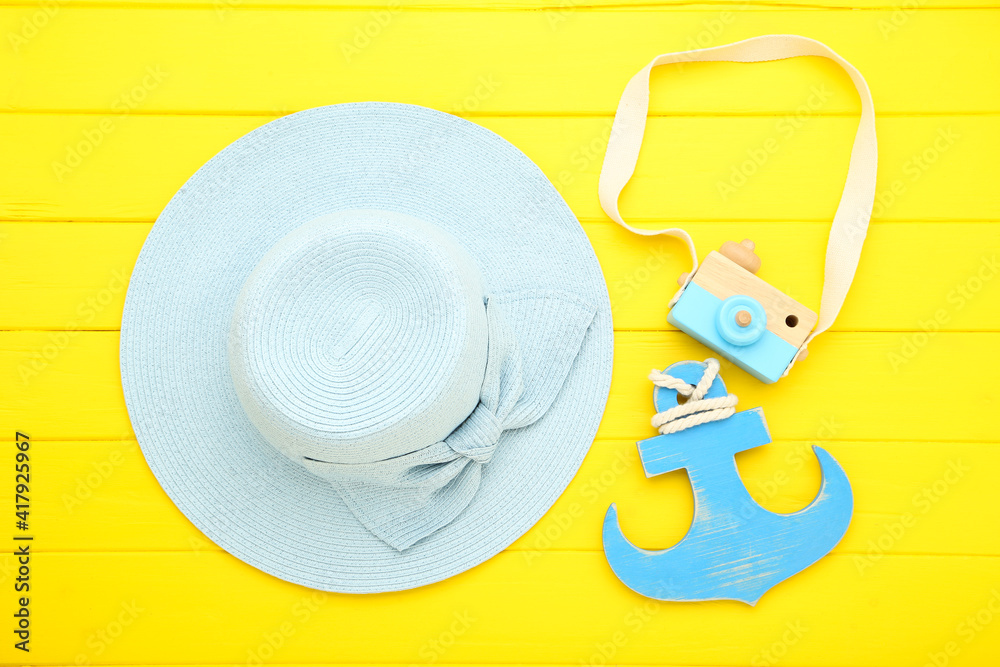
735	549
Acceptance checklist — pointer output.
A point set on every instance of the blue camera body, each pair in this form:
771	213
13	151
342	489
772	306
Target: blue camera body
730	310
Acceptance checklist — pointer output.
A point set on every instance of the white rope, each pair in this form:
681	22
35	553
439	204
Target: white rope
697	409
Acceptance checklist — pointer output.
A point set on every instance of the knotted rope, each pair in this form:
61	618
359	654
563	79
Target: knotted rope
697	409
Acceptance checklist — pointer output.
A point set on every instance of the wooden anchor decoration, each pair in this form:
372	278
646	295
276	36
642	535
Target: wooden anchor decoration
735	549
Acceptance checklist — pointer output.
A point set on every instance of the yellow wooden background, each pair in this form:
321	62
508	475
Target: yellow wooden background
108	106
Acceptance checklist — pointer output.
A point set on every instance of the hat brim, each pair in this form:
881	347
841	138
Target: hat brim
218	470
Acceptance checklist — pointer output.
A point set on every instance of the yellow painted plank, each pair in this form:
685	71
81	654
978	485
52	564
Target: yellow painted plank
498	62
565	607
912	276
876	386
122	578
64	275
557	12
730	168
101	496
932	503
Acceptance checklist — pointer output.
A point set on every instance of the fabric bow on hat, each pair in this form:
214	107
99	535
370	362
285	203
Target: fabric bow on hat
406	498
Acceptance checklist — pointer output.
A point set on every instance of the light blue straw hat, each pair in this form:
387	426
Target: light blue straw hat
366	347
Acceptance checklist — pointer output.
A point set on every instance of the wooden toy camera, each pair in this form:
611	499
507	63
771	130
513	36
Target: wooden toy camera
730	310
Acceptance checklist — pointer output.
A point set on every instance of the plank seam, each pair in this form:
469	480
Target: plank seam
517	114
583	220
581	8
219	550
859	441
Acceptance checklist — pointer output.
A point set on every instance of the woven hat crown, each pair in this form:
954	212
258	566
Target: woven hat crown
359	337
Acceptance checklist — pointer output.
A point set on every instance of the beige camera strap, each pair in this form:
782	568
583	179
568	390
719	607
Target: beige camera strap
850	223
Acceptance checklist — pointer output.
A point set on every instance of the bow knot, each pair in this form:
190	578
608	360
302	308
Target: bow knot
533	339
478	435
